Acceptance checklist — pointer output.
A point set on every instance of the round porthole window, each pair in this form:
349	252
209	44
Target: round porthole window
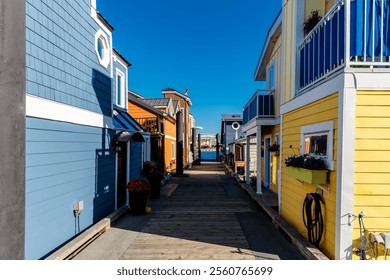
102	48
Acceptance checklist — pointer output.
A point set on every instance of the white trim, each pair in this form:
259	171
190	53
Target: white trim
258	160
324	128
345	174
328	88
280	166
47	109
123	93
170	137
106	59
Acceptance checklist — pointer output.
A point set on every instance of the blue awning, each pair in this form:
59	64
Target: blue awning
131	128
125	121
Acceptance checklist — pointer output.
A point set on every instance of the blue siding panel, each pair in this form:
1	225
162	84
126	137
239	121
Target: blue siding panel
135	160
65	162
61	56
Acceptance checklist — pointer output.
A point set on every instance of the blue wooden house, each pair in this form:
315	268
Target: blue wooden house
82	146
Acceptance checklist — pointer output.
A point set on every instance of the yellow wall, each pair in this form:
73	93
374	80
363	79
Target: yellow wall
294	192
276	57
288	50
312	5
372	161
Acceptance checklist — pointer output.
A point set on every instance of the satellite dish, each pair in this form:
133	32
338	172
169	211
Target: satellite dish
235	125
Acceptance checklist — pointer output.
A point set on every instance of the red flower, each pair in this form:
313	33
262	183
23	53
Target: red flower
138	185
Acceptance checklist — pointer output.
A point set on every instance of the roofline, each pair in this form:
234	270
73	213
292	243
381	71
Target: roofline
145	105
128	64
135	94
179	94
104	21
275	29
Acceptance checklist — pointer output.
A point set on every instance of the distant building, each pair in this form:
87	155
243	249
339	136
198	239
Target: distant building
231	130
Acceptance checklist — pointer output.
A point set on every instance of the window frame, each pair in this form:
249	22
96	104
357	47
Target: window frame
173	154
324	128
100	36
122	103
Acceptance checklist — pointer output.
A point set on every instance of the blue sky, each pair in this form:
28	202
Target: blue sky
210	47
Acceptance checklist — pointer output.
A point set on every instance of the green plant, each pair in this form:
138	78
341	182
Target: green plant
313	19
273	148
307	161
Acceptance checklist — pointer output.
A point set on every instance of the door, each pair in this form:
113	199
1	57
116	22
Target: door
121	174
267	163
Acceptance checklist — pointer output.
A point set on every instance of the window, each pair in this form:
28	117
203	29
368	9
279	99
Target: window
173	149
102	48
120	89
318	139
271	76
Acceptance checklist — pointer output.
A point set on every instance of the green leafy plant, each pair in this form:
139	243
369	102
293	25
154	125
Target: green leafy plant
312	21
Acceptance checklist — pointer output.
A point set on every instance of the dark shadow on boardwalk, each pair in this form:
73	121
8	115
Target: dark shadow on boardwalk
208	216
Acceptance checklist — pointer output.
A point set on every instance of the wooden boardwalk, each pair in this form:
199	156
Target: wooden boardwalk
201	216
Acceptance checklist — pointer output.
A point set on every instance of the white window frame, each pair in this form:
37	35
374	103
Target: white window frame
105	60
271	66
324	128
173	150
123	98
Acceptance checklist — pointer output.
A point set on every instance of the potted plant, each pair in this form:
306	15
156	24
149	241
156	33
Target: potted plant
274	148
309	168
313	19
139	190
155	179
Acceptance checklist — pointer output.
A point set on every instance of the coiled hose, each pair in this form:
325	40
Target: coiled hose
312	218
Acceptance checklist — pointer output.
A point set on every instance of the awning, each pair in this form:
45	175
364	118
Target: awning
125	136
124	120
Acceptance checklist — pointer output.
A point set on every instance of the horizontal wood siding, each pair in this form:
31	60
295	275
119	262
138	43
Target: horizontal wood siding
65	163
138	112
293	191
372	164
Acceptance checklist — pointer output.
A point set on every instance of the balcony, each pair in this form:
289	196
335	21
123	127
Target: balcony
261	105
151	125
353	34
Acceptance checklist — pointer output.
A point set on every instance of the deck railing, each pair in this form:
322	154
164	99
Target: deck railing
151	125
354	33
260	105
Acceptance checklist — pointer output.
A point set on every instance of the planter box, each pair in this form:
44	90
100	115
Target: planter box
316	177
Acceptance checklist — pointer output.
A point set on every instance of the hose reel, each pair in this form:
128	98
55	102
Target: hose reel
312	217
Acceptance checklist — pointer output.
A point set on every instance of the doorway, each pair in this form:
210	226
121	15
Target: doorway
121	174
267	162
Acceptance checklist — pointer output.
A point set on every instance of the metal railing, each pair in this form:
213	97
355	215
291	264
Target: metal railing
260	105
354	33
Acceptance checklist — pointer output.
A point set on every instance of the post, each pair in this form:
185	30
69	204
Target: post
199	148
258	160
13	130
217	148
179	145
248	160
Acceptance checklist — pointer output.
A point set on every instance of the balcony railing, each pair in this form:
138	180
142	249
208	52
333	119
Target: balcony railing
150	124
354	33
261	105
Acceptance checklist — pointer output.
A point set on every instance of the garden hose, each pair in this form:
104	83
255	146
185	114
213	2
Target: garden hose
312	217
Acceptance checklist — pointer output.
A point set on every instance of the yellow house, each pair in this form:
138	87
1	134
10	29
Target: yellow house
261	117
334	103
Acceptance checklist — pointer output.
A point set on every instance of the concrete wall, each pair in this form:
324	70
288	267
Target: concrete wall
12	132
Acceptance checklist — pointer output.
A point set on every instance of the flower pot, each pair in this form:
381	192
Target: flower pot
156	188
315	177
138	203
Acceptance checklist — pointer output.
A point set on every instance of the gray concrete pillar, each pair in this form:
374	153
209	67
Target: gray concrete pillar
13	128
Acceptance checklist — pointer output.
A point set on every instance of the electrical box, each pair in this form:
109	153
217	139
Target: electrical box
78	205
